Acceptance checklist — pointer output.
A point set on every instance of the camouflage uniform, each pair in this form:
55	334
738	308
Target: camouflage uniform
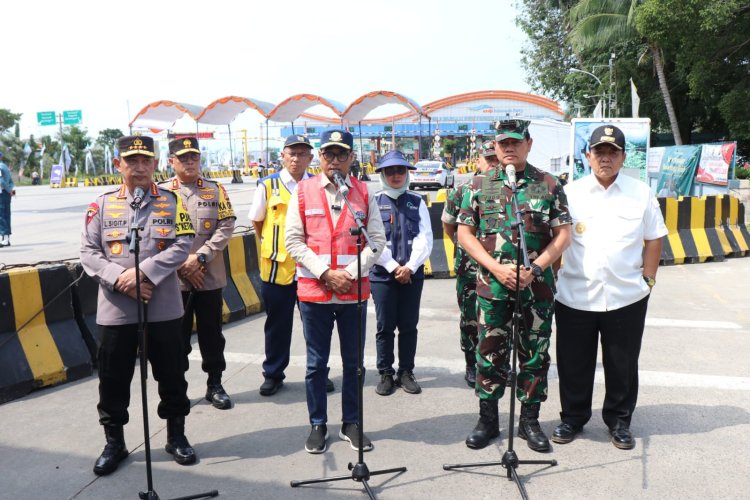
487	206
466	276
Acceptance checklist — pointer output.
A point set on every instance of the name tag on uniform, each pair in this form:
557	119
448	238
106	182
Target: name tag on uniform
314	211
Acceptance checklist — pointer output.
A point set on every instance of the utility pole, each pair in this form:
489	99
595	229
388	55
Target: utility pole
612	89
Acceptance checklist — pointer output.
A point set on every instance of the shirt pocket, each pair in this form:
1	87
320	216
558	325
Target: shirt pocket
162	237
116	245
412	222
628	223
492	216
206	222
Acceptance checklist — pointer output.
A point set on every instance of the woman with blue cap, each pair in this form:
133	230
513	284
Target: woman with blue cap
397	278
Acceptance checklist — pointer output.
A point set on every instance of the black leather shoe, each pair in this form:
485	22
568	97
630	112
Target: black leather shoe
622	438
487	427
114	452
218	397
177	444
565	433
270	387
329	385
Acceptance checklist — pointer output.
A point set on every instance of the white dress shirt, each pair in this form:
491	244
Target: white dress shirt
258	208
421	246
602	267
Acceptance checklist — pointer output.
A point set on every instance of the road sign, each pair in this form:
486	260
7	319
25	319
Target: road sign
72	117
46	118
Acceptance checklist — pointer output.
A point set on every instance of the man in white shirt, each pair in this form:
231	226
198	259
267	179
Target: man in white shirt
603	289
277	269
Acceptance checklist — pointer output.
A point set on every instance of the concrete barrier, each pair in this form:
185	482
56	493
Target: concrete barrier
241	295
703	228
40	343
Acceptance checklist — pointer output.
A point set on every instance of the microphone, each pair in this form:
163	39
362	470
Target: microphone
339	180
510	171
138	195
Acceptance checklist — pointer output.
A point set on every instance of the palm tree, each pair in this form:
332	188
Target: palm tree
602	23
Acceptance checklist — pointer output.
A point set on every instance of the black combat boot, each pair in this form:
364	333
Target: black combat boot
487	427
177	443
471	369
215	392
114	451
529	428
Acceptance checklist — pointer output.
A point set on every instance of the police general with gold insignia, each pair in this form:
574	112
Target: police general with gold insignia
166	239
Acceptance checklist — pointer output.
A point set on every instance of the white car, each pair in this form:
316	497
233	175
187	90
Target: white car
432	173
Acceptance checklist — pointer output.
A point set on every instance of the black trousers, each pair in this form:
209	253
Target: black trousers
118	353
578	333
207	306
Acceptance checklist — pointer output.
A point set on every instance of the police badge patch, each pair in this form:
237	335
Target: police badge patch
91	212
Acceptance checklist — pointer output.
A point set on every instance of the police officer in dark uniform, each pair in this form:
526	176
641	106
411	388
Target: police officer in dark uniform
398	275
203	275
166	239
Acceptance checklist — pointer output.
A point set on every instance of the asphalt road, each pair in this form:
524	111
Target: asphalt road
692	423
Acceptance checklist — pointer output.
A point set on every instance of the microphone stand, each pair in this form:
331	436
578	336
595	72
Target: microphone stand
360	471
510	460
134	239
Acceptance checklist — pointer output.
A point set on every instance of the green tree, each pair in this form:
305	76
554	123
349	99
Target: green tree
78	141
601	24
109	137
8	120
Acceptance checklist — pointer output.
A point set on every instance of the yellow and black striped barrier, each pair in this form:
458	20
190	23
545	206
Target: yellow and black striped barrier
241	295
703	228
40	343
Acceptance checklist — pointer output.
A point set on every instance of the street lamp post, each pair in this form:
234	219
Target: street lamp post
576	70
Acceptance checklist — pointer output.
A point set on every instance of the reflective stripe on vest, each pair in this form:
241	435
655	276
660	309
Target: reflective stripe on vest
336	247
275	264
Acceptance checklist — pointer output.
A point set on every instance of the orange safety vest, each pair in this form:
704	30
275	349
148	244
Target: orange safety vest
336	246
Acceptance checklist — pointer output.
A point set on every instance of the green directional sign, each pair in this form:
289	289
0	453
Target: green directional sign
72	117
46	118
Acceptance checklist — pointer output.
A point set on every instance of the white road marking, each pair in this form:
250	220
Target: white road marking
428	365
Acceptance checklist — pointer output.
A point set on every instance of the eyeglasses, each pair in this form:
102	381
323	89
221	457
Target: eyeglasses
297	154
399	169
330	155
188	157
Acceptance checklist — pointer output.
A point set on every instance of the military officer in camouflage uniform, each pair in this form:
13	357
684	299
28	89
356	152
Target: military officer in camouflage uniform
203	275
486	232
166	237
465	267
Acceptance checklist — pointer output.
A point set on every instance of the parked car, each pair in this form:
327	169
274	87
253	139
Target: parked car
432	173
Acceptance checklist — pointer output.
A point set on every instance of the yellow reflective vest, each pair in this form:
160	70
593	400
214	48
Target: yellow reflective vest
275	264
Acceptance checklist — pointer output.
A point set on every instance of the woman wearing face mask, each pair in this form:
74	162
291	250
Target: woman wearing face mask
397	278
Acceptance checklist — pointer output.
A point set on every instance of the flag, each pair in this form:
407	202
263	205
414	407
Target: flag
634	99
598	110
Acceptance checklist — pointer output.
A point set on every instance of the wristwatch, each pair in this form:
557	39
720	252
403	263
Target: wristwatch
536	270
649	281
202	259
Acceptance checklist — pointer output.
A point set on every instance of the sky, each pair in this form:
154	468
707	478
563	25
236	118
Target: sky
111	59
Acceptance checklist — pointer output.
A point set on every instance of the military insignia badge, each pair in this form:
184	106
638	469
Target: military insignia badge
115	248
207	225
91	212
336	136
161	245
115	215
609	130
187	143
580	228
115	234
161	198
163	231
162	213
207	197
161	205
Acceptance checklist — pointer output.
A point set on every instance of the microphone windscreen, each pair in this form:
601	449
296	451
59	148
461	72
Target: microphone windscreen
510	171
